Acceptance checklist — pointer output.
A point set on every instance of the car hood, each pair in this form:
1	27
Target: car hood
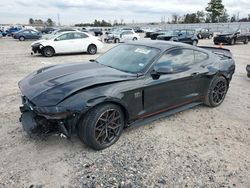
38	42
225	34
46	36
166	35
51	85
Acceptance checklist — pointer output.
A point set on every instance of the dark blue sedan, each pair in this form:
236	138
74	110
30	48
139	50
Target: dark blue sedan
27	34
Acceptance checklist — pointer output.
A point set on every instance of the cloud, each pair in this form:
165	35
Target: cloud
75	11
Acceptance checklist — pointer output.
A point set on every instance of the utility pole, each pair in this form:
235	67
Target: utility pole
58	20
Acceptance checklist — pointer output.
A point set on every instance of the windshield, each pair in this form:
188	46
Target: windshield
129	58
50	36
171	33
229	30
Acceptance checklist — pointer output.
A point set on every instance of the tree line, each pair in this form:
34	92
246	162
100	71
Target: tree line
49	22
215	12
102	23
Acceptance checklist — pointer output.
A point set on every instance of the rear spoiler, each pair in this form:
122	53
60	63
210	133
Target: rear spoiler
218	51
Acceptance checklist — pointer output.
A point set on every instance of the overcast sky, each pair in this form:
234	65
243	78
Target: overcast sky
77	11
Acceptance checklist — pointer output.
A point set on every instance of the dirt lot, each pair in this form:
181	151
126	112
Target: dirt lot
201	147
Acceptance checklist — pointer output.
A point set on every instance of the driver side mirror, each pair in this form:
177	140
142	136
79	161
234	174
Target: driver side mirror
161	69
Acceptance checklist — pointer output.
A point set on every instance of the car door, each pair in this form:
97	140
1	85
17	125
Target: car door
175	89
241	35
126	36
81	41
27	34
34	35
182	36
189	36
65	43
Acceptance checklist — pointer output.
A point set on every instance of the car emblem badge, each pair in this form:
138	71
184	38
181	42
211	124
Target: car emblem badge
137	94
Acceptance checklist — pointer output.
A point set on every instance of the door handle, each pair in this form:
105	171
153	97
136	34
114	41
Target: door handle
194	74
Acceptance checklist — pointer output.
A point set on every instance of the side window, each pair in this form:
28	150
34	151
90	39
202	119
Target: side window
33	32
179	59
26	32
66	36
80	36
124	33
199	56
182	33
129	32
190	32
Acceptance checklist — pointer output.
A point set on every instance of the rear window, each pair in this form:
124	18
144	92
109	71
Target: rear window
199	56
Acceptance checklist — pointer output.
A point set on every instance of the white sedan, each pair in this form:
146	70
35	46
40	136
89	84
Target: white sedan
122	36
67	42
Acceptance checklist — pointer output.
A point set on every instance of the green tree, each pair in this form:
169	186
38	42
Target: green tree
175	18
200	16
224	17
49	22
31	21
216	9
233	18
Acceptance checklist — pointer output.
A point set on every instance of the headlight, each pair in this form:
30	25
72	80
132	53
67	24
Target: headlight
35	45
56	112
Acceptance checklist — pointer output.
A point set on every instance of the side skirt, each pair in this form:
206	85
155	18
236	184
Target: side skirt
148	120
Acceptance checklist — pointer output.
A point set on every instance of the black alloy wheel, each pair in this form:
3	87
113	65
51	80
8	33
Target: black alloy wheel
48	51
246	40
217	91
92	49
232	42
101	126
108	126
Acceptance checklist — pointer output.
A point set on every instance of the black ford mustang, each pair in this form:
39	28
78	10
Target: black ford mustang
131	84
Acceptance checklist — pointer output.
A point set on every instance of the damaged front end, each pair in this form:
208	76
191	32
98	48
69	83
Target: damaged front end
37	48
43	120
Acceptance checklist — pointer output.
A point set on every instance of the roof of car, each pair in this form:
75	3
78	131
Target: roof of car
162	45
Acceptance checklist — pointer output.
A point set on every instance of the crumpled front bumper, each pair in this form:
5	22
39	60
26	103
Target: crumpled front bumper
36	49
35	123
222	39
28	122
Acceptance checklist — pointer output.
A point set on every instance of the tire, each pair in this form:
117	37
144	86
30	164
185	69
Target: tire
92	49
232	41
216	92
246	40
21	38
199	36
94	130
117	40
48	51
210	36
134	38
194	43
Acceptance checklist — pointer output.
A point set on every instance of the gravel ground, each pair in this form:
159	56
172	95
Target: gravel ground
200	147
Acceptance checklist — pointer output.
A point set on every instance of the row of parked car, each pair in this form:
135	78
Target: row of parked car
191	36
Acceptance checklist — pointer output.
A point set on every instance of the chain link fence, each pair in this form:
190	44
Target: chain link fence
215	27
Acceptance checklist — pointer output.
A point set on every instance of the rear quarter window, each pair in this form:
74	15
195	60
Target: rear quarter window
199	56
